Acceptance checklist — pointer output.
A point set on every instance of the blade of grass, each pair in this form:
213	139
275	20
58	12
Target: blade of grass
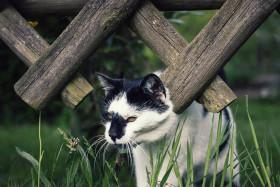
189	165
55	160
217	150
174	149
106	180
278	178
247	179
177	174
276	144
175	153
257	145
90	151
64	136
267	158
166	175
35	164
219	141
72	165
231	157
85	166
151	158
161	154
113	173
225	169
32	178
191	162
40	149
10	182
247	161
252	162
207	157
148	176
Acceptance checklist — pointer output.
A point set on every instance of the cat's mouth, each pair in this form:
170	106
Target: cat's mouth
120	146
124	146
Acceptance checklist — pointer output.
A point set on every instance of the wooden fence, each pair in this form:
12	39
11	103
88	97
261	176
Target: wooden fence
192	67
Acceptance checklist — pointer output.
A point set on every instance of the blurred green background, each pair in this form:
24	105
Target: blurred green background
254	70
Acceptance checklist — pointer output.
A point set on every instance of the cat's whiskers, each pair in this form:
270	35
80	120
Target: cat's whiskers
99	135
141	149
88	149
131	142
130	147
102	146
100	139
129	153
104	151
97	142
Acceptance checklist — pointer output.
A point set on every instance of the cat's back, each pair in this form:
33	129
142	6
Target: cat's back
198	123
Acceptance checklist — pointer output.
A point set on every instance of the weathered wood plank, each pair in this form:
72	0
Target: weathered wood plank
172	5
47	76
168	44
213	47
23	40
72	7
157	33
49	7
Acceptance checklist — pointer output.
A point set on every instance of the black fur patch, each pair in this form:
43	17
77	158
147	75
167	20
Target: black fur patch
137	94
204	112
117	129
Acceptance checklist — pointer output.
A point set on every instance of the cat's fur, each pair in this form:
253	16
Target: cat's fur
148	100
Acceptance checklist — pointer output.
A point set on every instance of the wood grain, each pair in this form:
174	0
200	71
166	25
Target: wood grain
213	47
168	44
72	7
28	45
172	5
95	22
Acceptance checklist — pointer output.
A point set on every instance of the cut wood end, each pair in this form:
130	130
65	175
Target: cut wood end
75	92
72	95
218	103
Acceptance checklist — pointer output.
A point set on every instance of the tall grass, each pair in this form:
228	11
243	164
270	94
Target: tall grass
84	168
40	150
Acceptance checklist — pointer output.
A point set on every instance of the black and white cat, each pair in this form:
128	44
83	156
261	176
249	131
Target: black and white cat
139	113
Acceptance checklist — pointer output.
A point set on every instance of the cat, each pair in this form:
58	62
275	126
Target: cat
138	115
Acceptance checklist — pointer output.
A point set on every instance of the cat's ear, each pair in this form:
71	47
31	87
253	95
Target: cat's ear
153	86
107	83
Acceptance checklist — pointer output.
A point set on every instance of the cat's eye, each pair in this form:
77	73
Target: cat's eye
109	116
131	119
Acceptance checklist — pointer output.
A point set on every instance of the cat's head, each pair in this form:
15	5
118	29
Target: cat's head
135	111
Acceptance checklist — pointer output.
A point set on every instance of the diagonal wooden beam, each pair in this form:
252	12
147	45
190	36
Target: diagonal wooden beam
168	44
172	5
50	73
70	7
234	23
24	41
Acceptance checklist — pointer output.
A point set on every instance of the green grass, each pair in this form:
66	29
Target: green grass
62	166
25	136
265	114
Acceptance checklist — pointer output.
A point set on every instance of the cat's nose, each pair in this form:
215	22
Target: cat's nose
113	136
